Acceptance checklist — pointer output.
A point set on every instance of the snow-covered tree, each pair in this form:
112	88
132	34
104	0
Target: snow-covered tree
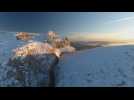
54	39
66	41
57	42
52	36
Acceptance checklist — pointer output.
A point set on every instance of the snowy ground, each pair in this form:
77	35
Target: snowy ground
101	66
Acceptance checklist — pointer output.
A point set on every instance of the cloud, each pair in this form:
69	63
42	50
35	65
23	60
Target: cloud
121	19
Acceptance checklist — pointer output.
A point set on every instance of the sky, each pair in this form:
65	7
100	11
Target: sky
86	25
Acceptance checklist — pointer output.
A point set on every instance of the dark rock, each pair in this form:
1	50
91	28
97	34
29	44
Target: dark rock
35	70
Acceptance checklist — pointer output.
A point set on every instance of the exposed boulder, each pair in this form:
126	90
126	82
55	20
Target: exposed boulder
34	69
23	36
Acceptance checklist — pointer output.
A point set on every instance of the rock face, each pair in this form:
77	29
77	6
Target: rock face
33	65
33	70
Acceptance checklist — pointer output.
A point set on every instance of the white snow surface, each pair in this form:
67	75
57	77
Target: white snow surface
98	67
102	66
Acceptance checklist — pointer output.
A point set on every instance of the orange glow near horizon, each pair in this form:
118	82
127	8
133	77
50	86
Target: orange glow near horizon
104	37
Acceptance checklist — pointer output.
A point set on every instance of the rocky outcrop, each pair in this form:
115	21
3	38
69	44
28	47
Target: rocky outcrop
23	36
33	70
33	65
35	48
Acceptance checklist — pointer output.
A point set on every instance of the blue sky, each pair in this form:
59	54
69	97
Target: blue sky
69	22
